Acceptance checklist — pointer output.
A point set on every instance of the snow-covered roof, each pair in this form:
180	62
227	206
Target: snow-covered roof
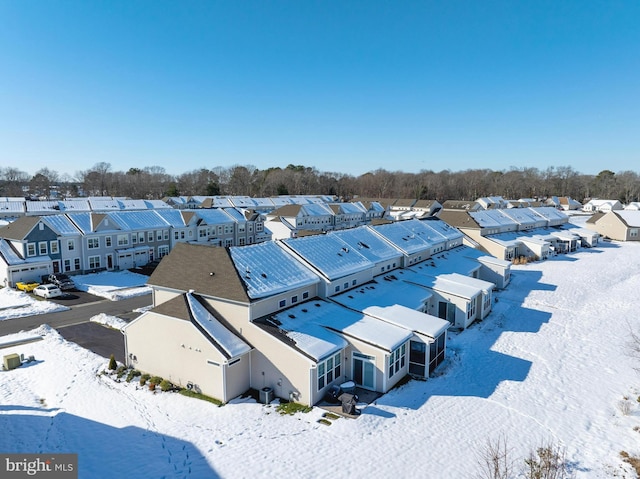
263	203
214	216
156	204
129	204
304	325
551	214
329	255
235	214
243	202
368	244
61	224
172	217
458	278
317	209
268	269
365	328
339	319
9	254
410	319
232	344
631	217
425	232
446	230
385	291
44	206
12	207
69	206
524	216
446	286
281	201
137	220
349	208
492	219
104	204
401	237
458	260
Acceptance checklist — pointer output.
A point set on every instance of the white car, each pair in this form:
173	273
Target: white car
47	291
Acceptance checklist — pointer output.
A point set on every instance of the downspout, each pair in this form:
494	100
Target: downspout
224	381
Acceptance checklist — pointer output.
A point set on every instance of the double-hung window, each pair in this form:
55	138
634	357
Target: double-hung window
93	243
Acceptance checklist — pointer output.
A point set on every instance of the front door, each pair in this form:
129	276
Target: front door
56	267
364	371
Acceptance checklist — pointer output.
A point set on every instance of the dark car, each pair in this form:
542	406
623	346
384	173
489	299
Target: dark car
61	280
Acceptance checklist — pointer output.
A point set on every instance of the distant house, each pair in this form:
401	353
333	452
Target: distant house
515	232
602	206
620	225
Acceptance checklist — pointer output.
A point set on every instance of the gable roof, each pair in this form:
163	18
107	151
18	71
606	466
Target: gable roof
20	228
459	219
207	270
192	308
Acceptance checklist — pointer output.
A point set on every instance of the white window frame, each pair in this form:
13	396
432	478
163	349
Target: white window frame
329	370
93	261
397	360
53	247
93	243
43	248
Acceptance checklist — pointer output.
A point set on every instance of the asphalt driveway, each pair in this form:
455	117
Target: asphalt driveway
97	338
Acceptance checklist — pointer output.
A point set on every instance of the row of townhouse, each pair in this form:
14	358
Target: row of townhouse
294	220
12	208
510	233
263	205
296	316
33	246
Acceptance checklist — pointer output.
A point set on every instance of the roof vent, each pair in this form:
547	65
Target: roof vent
292	316
264	275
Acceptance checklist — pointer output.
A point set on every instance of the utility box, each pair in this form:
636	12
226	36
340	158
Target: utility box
266	395
11	361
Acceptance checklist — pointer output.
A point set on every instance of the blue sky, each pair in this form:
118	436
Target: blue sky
343	86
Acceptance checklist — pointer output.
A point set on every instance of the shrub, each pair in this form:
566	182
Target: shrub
132	374
632	461
112	363
120	371
144	378
494	459
165	385
548	462
155	379
152	386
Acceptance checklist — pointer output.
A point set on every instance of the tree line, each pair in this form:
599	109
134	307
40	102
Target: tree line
245	180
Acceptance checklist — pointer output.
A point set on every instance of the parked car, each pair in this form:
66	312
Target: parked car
47	291
27	287
61	280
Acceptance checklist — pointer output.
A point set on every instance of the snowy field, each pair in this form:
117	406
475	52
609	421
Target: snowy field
551	363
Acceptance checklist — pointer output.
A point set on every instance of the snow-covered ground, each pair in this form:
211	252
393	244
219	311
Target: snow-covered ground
18	304
550	364
114	286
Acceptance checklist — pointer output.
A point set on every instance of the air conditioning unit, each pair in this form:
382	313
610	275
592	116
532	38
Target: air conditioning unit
11	361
